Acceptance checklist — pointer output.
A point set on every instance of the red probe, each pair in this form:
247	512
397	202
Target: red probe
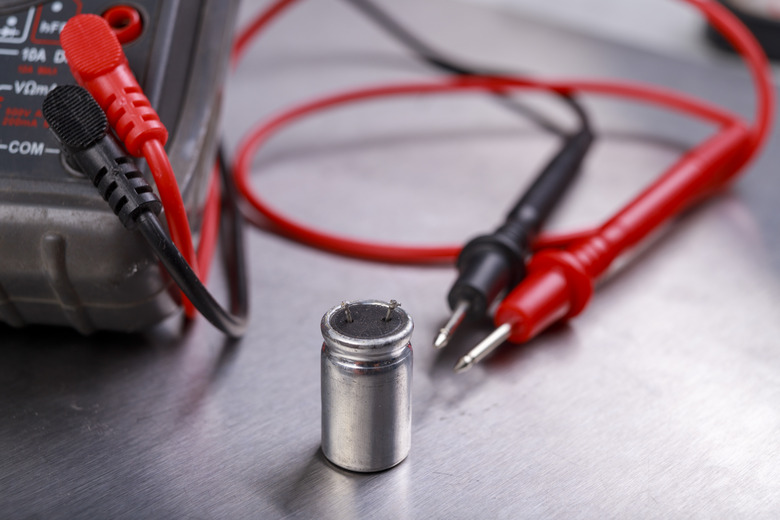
98	63
560	282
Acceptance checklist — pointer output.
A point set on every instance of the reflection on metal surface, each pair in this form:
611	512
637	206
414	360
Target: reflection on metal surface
319	489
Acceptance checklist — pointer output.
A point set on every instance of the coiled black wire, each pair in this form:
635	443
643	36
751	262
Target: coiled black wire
427	54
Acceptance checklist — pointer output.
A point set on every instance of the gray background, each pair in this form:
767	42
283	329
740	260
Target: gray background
666	26
659	401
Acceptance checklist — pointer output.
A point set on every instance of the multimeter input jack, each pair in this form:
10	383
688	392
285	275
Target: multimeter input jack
126	22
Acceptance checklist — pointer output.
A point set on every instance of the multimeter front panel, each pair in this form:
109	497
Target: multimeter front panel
66	259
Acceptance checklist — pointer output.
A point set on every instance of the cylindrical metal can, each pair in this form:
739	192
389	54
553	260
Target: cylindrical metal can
366	383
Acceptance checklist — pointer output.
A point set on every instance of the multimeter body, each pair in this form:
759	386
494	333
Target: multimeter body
66	259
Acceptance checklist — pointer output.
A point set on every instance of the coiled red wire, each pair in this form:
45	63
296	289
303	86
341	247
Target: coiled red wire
721	19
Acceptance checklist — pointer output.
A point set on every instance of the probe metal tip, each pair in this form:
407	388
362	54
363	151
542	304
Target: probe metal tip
347	312
390	306
442	338
449	328
485	347
463	364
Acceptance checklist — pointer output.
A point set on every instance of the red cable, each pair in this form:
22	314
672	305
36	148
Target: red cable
209	229
248	34
175	212
733	30
412	254
720	18
159	164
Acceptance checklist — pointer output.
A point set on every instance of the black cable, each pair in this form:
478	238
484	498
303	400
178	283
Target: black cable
425	53
231	238
538	201
231	323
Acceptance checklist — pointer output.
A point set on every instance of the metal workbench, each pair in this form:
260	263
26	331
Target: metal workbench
659	401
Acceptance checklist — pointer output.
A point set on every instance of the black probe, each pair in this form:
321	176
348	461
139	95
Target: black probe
81	128
492	264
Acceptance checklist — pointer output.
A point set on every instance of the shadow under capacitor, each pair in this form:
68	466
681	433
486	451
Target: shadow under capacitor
366	383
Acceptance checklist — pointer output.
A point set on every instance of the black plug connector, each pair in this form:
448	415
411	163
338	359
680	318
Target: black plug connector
81	127
487	265
490	265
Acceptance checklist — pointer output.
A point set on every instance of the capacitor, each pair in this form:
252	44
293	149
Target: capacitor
366	384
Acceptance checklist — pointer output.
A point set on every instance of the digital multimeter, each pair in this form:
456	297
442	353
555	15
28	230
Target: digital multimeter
65	258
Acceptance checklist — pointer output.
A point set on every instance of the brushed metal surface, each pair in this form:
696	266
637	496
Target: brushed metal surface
659	401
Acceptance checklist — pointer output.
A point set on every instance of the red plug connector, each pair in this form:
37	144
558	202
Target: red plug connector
560	282
98	63
96	59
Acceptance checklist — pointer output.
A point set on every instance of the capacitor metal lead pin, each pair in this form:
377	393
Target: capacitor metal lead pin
366	379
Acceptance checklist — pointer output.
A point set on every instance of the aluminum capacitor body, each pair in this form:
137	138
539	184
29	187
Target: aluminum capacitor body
366	383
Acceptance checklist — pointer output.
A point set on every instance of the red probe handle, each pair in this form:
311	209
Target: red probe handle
96	59
560	282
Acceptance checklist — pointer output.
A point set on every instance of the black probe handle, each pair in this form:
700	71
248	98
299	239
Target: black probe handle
491	264
538	202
